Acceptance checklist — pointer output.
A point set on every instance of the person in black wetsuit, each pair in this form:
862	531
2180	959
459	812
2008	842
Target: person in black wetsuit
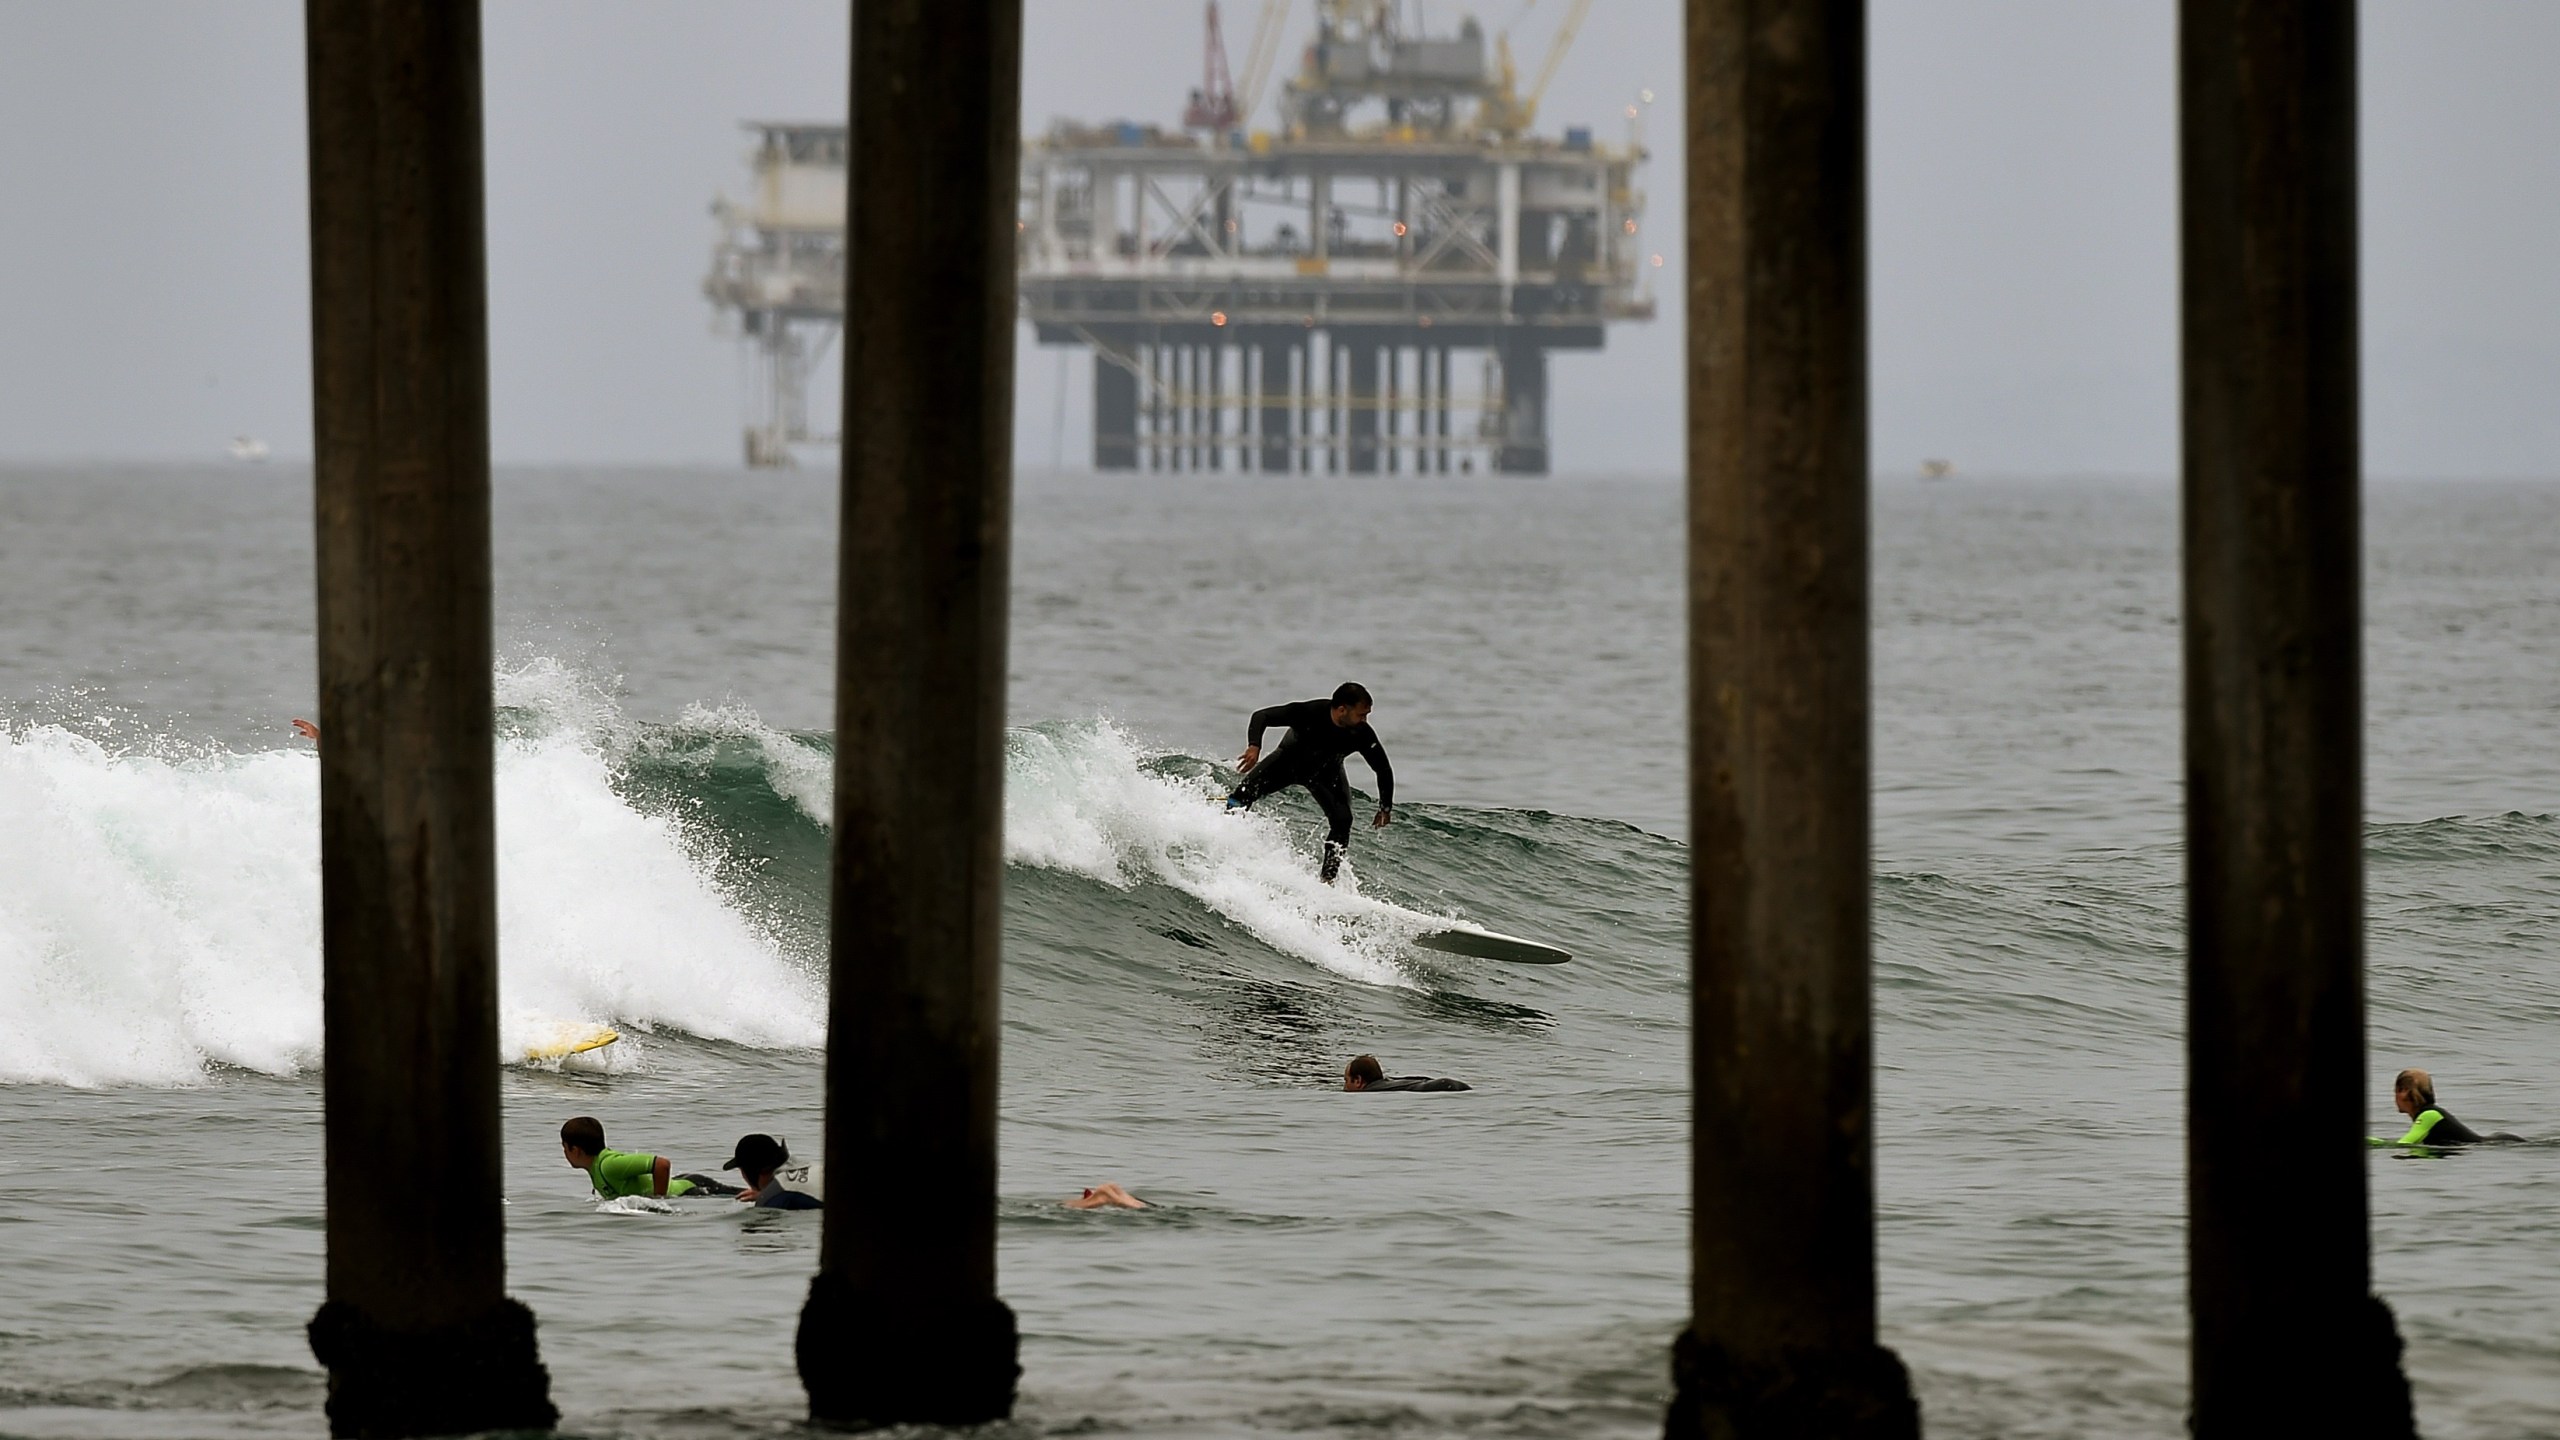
1321	732
1365	1073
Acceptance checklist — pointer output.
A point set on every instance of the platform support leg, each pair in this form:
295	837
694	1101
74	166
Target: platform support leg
1363	403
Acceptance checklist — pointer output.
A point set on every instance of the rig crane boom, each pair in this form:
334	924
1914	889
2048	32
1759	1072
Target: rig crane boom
1213	105
1555	58
1257	65
1506	111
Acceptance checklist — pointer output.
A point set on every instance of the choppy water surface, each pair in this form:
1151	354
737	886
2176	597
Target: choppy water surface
1180	991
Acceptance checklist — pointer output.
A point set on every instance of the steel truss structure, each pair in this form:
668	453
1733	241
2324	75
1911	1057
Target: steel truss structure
1289	301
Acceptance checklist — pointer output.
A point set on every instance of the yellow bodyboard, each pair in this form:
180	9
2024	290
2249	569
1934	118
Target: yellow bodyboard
571	1040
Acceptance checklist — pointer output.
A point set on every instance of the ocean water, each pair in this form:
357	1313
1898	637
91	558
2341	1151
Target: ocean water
1180	993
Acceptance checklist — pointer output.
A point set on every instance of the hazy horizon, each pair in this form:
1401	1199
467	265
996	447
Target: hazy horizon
2022	197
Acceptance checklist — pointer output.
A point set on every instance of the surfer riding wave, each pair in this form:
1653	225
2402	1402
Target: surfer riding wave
1321	733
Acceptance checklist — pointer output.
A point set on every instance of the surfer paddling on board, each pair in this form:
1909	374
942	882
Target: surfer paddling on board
1321	732
616	1173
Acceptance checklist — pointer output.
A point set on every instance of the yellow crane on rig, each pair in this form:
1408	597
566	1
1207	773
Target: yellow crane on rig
1257	64
1508	112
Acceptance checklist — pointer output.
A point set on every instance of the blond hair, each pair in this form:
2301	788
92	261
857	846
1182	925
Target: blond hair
2418	1083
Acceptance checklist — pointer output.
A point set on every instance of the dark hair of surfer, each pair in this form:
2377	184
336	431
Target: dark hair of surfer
1351	693
583	1132
1365	1069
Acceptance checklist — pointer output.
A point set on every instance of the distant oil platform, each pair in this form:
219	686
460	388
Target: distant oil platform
1292	299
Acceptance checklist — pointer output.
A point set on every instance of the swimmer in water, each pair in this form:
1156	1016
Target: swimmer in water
1365	1073
2413	1093
1104	1196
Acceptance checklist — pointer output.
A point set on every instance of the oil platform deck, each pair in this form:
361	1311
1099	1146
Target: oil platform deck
1292	300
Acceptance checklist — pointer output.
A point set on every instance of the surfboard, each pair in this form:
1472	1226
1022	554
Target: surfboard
571	1040
1482	944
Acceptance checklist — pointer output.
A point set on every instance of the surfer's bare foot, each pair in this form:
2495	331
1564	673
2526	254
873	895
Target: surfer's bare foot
1102	1195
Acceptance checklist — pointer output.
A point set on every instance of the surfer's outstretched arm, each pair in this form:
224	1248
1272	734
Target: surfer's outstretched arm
306	729
1376	754
1263	719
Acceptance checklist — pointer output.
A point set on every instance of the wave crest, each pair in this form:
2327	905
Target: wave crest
160	917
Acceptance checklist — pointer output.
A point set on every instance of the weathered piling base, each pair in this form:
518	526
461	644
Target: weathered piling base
868	1363
418	1333
455	1380
1782	1332
1850	1394
2288	1338
903	1325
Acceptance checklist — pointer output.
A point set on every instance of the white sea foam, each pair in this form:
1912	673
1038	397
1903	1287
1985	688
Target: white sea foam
798	773
159	916
155	915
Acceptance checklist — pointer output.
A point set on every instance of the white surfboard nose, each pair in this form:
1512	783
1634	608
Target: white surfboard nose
1488	945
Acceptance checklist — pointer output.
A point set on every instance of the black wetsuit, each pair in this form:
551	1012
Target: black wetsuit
2435	1128
1413	1082
2449	1131
1311	755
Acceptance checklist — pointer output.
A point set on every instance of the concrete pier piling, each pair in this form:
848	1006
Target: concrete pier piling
418	1334
2288	1337
1782	1332
903	1324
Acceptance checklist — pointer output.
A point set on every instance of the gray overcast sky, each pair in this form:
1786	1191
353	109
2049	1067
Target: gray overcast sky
152	251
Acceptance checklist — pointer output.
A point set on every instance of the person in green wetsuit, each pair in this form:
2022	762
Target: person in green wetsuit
2413	1093
616	1173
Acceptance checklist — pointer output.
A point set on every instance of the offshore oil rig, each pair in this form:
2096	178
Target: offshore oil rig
1288	299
